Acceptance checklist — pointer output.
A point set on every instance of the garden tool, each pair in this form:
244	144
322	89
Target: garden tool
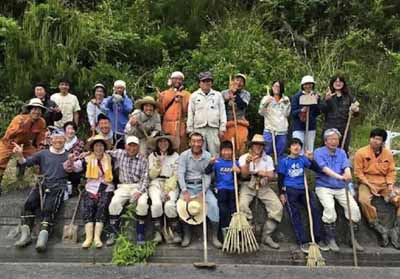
314	257
205	263
70	231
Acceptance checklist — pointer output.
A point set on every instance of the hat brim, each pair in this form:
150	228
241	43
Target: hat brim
185	216
30	106
140	103
152	142
257	142
90	144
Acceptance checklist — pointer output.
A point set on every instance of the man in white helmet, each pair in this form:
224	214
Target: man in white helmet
173	106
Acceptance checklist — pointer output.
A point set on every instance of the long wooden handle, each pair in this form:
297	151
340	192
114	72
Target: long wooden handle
204	221
355	259
346	131
310	219
307	128
274	147
235	178
236	129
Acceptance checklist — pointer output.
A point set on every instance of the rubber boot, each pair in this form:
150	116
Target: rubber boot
214	234
330	230
269	227
157	231
41	243
395	234
114	225
98	229
140	232
383	232
356	229
187	235
174	225
89	235
26	229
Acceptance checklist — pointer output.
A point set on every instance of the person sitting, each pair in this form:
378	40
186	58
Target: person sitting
223	167
291	171
163	189
27	130
48	194
192	182
256	169
330	185
133	175
375	170
144	123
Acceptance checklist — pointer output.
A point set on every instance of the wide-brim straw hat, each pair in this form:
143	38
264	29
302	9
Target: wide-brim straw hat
97	138
146	100
257	138
191	212
152	142
34	103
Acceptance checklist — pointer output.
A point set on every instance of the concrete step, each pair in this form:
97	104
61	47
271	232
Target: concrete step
289	254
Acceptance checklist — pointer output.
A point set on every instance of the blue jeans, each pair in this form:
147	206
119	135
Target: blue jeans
227	206
280	141
294	199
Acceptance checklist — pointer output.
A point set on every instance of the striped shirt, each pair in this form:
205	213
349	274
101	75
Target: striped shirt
131	170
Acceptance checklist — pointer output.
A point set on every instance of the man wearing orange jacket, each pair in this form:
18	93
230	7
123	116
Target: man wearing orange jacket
374	167
173	108
27	130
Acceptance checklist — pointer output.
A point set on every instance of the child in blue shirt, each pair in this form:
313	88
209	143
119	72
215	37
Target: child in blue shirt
223	167
292	192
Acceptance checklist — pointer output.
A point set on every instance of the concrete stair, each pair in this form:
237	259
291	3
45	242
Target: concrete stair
289	254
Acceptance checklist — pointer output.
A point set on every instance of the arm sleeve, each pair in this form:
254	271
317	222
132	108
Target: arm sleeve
77	107
296	108
181	172
281	185
33	160
358	168
391	174
91	113
189	122
209	169
222	114
127	106
241	104
262	110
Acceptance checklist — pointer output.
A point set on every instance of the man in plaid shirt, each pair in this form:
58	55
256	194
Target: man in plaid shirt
133	184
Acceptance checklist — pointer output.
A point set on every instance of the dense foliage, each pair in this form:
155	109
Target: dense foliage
142	41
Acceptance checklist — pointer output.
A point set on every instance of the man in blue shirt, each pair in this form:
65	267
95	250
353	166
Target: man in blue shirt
330	185
291	171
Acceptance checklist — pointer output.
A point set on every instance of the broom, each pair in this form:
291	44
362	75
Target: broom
240	237
314	257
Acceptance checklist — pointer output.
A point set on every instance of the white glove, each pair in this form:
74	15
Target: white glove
116	98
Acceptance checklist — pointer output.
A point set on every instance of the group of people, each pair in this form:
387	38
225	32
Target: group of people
167	152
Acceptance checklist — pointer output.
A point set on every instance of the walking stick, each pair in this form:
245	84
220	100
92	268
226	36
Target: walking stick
355	259
205	263
314	257
274	147
178	128
347	129
307	128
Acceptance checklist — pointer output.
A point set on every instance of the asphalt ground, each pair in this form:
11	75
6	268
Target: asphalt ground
185	271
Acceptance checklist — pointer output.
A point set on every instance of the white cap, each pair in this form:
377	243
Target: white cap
132	139
120	83
307	79
177	74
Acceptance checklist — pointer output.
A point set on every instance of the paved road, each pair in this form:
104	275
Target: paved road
173	271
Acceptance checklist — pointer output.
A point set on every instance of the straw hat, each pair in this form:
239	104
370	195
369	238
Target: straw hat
257	138
191	212
146	100
34	103
152	142
94	139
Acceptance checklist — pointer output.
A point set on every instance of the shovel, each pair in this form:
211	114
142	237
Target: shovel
70	231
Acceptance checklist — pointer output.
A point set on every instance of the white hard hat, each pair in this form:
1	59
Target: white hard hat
307	79
177	74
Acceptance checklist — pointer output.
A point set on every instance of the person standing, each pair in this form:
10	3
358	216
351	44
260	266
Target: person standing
95	106
68	104
206	114
173	107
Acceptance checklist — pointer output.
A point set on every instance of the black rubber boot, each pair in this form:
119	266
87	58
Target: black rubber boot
382	231
114	225
215	241
394	234
187	235
356	230
174	225
330	231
